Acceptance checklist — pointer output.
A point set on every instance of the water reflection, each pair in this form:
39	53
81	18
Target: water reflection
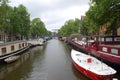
10	71
19	70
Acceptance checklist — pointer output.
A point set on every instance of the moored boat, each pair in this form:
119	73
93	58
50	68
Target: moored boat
92	67
62	39
36	42
11	59
107	48
12	49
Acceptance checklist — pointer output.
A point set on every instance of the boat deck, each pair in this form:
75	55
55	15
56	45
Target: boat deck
93	65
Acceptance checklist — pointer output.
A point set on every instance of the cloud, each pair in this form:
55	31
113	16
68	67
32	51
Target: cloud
54	13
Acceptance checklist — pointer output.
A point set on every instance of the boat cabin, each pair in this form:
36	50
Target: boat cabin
110	44
10	47
105	47
107	44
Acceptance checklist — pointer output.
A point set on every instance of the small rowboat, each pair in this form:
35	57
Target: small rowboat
92	67
11	59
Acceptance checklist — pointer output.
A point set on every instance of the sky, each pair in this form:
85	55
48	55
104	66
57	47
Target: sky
54	13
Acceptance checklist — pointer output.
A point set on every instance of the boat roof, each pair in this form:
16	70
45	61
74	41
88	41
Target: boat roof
95	66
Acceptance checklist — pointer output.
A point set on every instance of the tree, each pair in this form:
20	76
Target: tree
70	27
103	12
4	15
24	20
14	21
5	12
38	28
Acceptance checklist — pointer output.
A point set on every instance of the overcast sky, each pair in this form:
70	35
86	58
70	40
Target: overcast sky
54	13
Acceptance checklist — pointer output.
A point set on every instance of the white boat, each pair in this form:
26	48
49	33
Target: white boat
92	67
36	42
12	59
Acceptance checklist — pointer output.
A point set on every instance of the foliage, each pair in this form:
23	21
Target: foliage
38	28
4	15
16	21
70	27
20	21
102	12
23	19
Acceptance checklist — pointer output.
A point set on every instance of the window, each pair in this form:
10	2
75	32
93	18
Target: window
12	48
104	49
22	44
26	44
114	51
4	50
19	46
109	39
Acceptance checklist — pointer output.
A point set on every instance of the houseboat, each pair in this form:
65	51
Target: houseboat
10	49
36	42
62	39
107	47
92	67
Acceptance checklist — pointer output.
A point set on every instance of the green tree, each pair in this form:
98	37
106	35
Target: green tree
14	21
5	18
70	27
24	20
4	15
38	28
102	12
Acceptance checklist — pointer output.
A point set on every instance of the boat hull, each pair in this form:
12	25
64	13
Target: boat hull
114	59
92	75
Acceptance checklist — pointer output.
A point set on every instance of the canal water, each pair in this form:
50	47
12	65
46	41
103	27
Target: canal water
52	61
49	62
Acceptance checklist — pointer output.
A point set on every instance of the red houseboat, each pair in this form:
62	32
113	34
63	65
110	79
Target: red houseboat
107	47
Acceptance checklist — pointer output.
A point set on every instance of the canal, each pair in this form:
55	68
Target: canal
49	62
52	61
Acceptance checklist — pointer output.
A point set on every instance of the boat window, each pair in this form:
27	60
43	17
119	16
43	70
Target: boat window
102	39
104	49
4	50
117	39
25	43
19	46
12	48
22	44
108	39
114	51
